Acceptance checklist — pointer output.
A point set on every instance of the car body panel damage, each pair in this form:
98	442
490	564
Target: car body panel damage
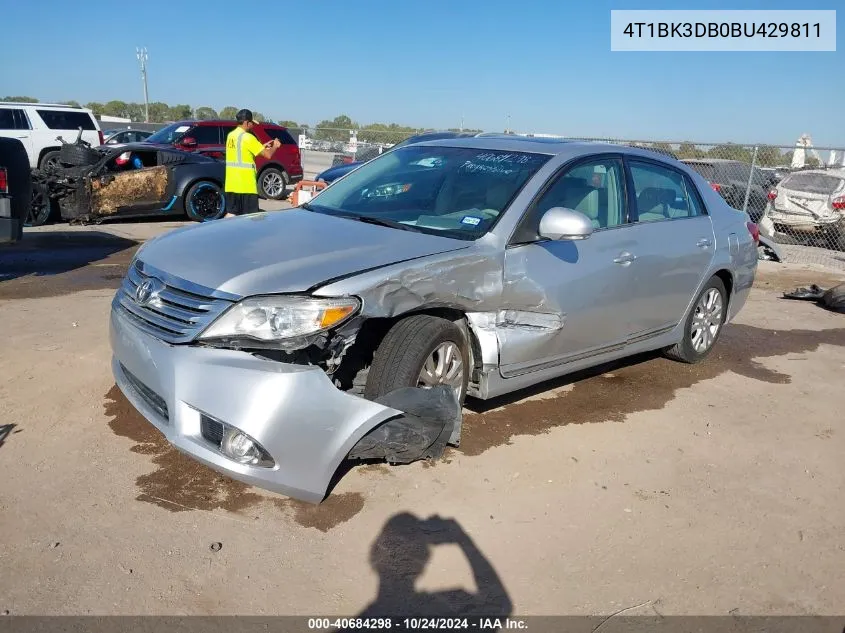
110	194
431	419
131	180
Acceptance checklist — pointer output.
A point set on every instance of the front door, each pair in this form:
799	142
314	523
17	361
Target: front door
567	300
675	244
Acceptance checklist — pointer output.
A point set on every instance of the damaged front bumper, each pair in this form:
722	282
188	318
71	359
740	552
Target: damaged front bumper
305	424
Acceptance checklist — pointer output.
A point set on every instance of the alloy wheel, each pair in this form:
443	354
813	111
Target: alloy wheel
706	320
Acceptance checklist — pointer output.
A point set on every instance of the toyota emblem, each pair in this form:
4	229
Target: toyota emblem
147	290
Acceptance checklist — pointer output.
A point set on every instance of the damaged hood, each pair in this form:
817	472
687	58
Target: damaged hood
284	251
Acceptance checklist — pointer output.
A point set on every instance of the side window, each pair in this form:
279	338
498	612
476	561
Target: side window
67	119
206	135
224	132
595	188
7	119
13	119
661	193
284	137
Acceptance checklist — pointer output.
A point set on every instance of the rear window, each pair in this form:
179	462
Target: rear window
812	183
282	135
67	119
706	170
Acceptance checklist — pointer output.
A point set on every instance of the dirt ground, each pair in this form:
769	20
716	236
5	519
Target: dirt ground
707	489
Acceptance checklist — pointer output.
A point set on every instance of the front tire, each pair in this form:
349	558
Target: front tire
703	325
205	201
420	351
273	183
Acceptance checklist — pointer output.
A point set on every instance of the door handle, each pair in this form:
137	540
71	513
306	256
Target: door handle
703	243
625	258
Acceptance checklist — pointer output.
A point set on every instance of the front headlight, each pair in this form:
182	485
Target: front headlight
277	318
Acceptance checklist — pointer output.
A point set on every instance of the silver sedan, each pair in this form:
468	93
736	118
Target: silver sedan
275	346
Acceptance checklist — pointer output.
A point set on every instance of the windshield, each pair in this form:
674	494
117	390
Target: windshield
169	134
812	183
458	192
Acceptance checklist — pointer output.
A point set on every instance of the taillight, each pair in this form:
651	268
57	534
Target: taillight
772	194
754	230
102	138
838	203
4	181
716	186
123	158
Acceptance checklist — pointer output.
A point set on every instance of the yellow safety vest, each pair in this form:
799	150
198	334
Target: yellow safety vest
241	150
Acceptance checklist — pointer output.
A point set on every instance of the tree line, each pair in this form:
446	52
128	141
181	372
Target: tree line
338	129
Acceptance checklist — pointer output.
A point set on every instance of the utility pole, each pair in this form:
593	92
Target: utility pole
141	54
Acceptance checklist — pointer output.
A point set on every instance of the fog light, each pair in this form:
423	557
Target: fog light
240	447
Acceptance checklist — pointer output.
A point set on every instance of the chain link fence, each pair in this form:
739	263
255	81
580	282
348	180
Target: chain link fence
796	194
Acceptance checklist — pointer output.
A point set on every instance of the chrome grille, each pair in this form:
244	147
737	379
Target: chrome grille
176	311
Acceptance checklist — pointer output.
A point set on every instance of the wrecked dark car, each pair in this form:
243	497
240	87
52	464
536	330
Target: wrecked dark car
273	347
90	185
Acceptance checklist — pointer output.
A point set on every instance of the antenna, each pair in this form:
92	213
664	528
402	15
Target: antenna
141	54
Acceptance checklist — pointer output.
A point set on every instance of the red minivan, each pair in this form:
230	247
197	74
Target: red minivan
209	137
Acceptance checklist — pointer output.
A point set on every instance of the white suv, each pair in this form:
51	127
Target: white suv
38	124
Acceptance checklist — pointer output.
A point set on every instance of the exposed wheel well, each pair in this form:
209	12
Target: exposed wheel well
190	184
45	151
274	165
352	371
728	280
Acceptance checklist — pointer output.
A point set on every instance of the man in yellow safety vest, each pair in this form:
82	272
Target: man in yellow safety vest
241	150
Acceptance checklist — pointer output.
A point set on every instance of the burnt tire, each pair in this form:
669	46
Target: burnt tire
273	183
78	155
42	206
411	343
205	201
688	349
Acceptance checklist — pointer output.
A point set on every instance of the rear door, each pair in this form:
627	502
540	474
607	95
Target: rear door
674	245
288	154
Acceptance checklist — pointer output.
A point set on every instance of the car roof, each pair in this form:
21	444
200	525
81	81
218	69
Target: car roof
838	172
18	104
545	145
711	161
223	121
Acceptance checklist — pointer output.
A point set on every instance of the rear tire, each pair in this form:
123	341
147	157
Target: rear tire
273	183
708	314
49	159
204	201
408	346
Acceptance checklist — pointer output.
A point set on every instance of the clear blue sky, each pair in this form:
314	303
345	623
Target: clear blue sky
425	63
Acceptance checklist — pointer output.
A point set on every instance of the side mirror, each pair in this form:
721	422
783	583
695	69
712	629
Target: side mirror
188	141
565	224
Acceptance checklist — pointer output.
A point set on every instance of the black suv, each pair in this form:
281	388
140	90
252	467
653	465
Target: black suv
730	179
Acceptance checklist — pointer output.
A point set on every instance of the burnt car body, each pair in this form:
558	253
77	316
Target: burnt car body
134	180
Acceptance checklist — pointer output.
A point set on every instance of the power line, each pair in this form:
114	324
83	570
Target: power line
141	54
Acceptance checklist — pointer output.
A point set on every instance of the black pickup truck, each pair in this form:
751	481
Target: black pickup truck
15	189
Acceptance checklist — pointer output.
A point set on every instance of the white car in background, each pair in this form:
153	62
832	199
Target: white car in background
37	126
811	201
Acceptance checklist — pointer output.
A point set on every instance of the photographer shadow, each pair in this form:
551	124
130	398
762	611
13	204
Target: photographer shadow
400	554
